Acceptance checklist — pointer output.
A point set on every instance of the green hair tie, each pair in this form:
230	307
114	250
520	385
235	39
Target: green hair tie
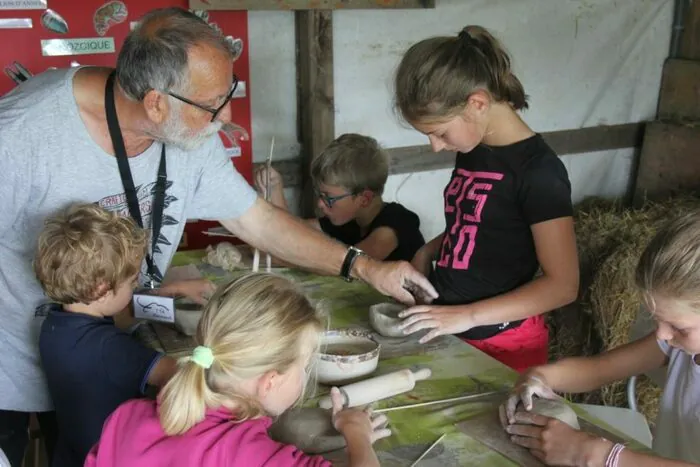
203	356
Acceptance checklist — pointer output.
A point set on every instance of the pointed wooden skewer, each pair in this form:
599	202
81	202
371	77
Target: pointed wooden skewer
442	401
430	448
268	189
256	255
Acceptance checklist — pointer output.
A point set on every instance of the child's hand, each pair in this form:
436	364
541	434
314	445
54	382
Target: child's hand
439	320
529	385
355	422
261	180
556	443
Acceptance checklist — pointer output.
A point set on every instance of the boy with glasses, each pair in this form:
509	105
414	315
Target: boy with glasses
349	178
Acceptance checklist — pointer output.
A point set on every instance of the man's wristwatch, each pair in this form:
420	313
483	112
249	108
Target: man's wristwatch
350	257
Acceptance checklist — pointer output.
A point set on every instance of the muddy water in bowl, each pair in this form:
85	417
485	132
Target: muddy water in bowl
349	349
345	355
384	318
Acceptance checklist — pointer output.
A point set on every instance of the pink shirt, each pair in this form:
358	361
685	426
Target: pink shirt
133	437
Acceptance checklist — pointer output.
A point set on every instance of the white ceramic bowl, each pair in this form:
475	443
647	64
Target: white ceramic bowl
384	318
346	354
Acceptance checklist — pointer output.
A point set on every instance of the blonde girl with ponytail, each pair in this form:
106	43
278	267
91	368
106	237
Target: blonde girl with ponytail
256	339
507	204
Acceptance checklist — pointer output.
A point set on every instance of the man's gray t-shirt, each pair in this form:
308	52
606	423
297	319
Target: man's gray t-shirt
677	429
47	161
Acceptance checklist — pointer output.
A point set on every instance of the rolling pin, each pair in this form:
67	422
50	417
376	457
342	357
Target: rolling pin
377	388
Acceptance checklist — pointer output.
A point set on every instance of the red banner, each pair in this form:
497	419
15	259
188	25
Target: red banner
92	32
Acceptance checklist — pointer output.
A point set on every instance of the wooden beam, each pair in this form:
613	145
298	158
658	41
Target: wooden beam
315	98
690	39
563	142
307	4
596	138
421	158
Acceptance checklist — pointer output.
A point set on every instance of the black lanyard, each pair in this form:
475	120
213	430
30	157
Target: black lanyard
128	182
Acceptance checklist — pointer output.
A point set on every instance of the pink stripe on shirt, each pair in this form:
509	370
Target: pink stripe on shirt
133	437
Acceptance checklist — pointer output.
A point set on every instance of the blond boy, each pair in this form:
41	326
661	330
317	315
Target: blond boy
87	262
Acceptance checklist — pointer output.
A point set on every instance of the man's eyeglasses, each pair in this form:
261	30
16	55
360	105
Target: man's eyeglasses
213	112
331	200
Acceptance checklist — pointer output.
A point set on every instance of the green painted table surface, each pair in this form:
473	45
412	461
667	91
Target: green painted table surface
457	369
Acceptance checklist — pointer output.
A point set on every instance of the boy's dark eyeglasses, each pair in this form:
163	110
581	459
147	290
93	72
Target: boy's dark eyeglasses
331	200
213	112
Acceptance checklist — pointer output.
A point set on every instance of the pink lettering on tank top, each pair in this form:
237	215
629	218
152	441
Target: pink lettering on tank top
460	239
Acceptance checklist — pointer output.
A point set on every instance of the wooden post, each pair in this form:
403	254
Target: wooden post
690	39
315	99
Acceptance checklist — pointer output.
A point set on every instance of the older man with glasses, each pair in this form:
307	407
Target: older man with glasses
140	140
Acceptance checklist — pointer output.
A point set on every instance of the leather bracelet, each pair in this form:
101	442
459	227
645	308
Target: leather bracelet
350	258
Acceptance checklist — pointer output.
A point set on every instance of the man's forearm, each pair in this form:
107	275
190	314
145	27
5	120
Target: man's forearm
292	240
277	198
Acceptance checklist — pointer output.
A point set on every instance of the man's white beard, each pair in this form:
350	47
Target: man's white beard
175	132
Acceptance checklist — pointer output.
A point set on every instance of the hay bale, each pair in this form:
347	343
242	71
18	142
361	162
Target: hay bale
596	225
571	332
648	397
614	298
571	327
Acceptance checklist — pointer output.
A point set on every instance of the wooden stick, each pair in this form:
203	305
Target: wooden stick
268	258
256	260
442	401
428	450
256	255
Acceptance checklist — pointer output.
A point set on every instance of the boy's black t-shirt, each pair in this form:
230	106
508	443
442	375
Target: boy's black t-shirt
91	368
404	223
494	195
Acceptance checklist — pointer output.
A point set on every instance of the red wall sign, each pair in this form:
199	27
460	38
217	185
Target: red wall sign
92	26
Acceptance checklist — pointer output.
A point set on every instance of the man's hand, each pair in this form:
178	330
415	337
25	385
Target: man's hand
261	176
197	290
397	279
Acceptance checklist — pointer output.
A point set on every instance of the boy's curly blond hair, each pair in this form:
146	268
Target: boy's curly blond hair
84	251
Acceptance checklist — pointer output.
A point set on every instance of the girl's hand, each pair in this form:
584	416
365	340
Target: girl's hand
440	320
197	290
355	422
556	443
528	385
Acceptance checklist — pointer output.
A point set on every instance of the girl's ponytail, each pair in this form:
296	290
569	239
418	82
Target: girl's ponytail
436	76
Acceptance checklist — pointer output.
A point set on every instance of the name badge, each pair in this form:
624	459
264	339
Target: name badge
154	308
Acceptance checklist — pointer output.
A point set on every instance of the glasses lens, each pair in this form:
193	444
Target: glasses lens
227	100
